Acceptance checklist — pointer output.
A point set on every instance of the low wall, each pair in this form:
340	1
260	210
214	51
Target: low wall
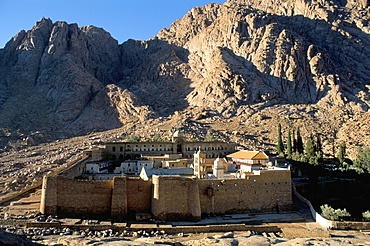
329	224
316	216
74	168
168	230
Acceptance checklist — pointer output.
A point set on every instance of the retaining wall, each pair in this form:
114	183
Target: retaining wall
329	224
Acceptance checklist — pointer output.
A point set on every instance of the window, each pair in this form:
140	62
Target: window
114	149
121	148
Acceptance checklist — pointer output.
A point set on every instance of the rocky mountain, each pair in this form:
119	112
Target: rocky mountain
234	69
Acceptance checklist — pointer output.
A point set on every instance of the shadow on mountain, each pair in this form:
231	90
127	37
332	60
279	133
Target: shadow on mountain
154	72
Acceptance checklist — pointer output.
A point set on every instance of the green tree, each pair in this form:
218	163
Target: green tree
299	141
342	152
362	162
280	145
157	138
289	146
209	138
318	145
333	214
133	138
310	150
294	144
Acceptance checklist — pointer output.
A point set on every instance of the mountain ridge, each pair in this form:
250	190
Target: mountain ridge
236	61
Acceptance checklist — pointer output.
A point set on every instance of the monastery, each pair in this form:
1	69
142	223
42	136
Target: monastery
197	184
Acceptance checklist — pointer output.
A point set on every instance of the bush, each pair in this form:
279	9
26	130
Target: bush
366	215
133	138
333	214
209	138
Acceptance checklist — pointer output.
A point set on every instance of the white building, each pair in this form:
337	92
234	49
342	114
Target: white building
98	167
133	167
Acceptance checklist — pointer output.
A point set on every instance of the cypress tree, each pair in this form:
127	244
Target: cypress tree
342	152
319	144
299	141
289	145
310	148
280	146
294	142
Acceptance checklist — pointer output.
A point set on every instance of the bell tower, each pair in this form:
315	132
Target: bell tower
200	165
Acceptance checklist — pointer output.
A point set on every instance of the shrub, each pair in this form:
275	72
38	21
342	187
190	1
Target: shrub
333	214
133	138
366	215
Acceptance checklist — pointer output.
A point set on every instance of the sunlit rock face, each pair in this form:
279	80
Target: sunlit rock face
233	59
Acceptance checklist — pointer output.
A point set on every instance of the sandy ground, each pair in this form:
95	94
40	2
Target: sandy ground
309	229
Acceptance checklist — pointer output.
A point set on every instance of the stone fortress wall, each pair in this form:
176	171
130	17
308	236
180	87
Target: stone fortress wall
166	197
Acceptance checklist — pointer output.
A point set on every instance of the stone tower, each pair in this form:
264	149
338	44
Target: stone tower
218	168
200	165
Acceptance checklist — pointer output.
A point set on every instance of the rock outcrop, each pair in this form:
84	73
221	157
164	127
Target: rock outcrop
232	60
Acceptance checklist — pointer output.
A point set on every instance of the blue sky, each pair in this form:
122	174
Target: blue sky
124	19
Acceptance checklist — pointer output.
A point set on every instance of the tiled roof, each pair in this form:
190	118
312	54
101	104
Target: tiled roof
250	155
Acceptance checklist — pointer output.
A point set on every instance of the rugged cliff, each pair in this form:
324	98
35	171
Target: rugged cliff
241	66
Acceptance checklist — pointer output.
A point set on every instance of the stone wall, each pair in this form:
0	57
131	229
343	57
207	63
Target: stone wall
166	197
119	198
75	168
178	198
79	198
270	191
76	198
139	194
175	198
